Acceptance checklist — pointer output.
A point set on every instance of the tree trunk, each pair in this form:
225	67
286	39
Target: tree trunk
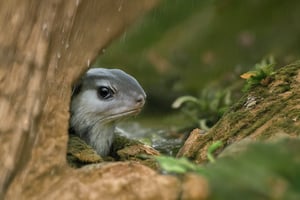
44	47
264	113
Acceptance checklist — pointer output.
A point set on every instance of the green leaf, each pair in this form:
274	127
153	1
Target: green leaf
212	148
179	101
179	166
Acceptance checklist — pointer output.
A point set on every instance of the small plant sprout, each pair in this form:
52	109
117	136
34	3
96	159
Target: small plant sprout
183	165
178	165
205	110
211	149
261	75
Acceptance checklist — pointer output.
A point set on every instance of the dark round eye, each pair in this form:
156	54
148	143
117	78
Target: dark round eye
105	92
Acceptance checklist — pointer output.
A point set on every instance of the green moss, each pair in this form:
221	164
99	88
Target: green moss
121	142
237	116
289	70
289	123
238	105
250	124
289	127
282	88
79	153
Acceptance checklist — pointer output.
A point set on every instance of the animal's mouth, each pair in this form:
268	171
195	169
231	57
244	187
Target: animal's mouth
123	115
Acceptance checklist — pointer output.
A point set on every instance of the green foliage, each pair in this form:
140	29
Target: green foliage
261	75
211	149
198	42
183	165
178	166
262	171
206	110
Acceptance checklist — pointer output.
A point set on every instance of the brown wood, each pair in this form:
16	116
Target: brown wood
44	47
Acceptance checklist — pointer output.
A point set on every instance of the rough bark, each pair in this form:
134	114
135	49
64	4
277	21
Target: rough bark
44	47
264	113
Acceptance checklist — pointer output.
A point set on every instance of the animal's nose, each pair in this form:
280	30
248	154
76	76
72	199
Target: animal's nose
140	99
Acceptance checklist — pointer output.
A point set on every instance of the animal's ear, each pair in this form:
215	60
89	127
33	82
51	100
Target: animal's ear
76	88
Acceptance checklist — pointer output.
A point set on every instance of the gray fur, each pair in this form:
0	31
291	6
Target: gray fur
93	118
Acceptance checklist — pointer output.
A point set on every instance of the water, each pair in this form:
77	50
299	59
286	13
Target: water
164	141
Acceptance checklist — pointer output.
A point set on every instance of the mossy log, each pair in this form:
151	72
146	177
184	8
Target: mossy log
265	112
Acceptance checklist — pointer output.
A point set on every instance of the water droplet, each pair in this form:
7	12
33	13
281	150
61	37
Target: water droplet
120	8
45	26
45	29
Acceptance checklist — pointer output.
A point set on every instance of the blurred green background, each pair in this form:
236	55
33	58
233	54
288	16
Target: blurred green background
182	47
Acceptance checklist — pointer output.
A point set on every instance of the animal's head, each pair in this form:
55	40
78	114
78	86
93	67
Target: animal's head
106	95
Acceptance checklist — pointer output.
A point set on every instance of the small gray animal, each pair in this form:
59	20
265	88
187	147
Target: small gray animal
100	99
